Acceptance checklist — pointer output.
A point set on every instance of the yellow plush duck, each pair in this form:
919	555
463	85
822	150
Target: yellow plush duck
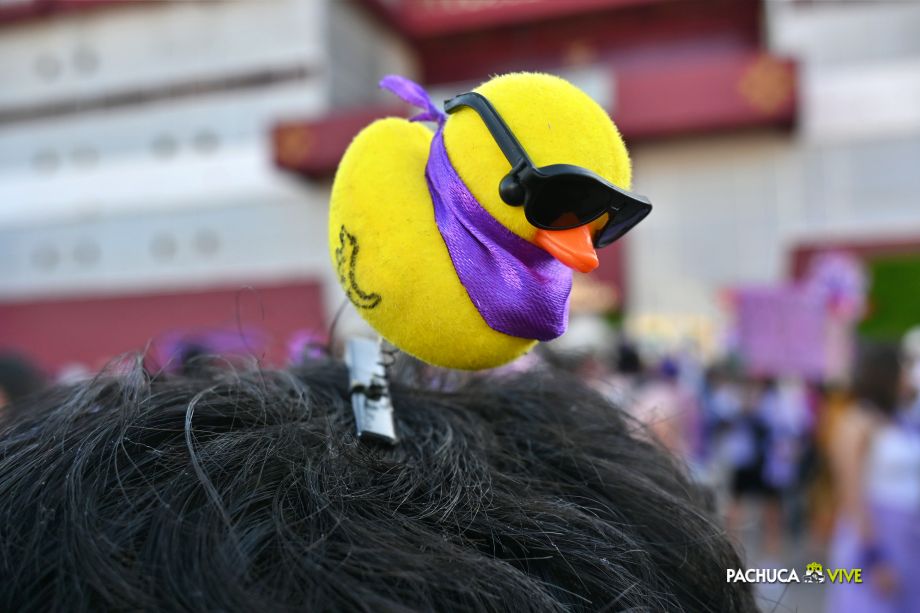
458	246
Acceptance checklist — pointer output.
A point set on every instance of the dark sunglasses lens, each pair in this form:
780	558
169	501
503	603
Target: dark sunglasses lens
621	222
567	201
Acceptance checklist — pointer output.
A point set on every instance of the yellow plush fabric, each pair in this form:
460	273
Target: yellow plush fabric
554	121
380	198
385	245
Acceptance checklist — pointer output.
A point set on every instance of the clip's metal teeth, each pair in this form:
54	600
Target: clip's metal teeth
369	389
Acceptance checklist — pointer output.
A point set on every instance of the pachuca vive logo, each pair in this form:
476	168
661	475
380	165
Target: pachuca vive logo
814	573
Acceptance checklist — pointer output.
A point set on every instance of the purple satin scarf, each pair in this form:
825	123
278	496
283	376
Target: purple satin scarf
517	287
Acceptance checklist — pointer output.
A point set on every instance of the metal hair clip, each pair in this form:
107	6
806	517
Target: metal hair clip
369	389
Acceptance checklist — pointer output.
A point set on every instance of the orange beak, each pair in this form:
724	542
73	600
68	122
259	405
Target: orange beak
574	248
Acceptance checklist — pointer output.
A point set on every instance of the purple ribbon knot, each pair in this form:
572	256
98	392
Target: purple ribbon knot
517	287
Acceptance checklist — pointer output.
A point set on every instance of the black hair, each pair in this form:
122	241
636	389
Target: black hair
877	376
18	377
248	491
628	360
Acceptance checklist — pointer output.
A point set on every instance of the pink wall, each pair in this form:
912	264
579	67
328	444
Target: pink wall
90	331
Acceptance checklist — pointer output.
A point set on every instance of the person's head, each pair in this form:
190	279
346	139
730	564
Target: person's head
877	375
628	360
668	370
248	491
18	378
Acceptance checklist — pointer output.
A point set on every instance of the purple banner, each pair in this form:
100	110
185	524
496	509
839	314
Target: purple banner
783	331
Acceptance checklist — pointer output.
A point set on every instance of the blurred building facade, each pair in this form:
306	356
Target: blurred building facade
754	208
139	193
155	158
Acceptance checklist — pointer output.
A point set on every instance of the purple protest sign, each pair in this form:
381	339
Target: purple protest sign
783	331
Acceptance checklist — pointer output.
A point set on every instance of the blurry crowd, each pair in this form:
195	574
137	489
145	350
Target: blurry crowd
826	470
748	437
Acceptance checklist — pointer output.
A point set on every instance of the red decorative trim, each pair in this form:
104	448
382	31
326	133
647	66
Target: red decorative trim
706	93
423	18
727	91
34	9
314	148
650	35
91	331
23	10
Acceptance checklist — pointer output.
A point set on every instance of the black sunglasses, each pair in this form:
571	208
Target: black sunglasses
559	196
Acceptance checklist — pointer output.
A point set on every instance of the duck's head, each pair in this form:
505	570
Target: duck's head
459	247
556	123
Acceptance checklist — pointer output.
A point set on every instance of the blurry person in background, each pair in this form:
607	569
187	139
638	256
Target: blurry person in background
910	346
593	369
627	376
18	378
875	461
691	389
835	401
912	413
659	405
746	440
617	375
784	408
720	402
